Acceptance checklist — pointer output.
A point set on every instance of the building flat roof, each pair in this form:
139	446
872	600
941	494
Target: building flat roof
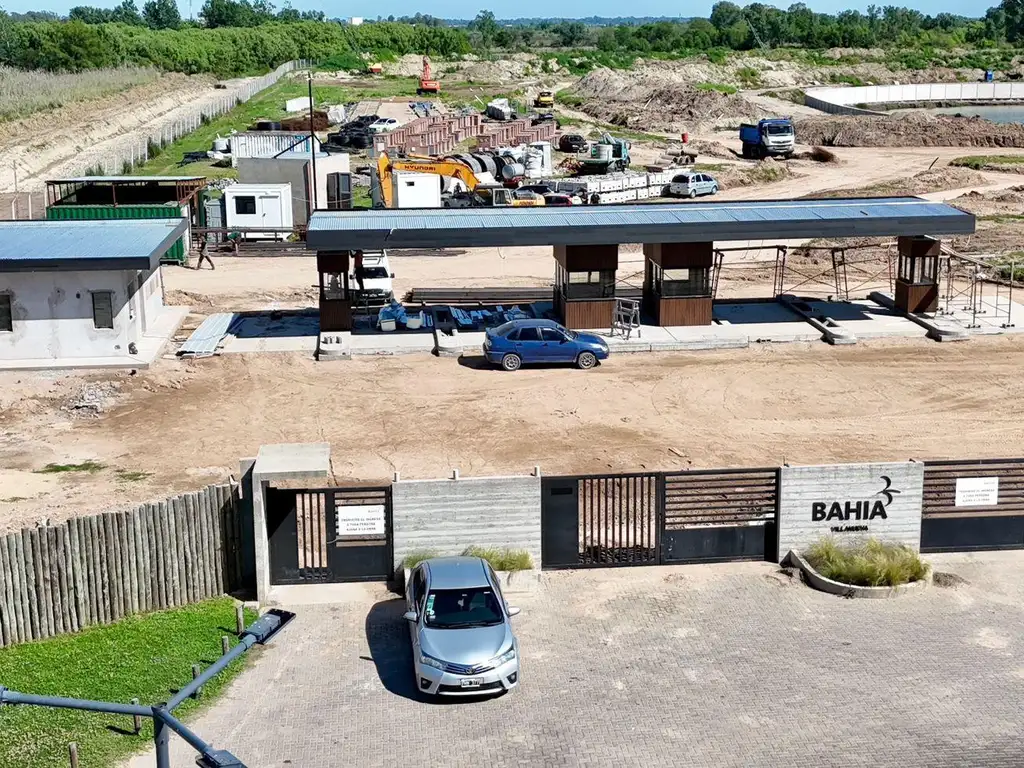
50	246
124	179
657	222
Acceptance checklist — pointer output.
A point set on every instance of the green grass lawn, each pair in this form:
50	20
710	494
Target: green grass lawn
979	162
268	105
144	657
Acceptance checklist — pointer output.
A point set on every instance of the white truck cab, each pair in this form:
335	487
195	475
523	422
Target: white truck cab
376	287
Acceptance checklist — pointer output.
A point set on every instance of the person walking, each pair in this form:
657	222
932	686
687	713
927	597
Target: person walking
359	269
204	256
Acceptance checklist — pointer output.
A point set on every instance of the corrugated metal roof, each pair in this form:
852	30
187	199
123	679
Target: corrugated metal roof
116	179
207	337
661	222
39	246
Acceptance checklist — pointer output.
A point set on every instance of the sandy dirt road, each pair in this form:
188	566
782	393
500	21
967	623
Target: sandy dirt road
185	424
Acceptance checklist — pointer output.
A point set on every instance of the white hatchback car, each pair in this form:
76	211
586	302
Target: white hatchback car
692	185
461	629
383	125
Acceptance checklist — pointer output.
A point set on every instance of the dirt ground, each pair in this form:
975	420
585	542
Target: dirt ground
183	424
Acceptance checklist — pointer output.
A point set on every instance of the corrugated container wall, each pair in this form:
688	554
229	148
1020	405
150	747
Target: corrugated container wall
268	144
176	253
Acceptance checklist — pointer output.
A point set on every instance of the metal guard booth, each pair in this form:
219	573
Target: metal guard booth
678	238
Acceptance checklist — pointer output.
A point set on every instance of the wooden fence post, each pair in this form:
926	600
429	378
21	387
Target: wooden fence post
195	674
73	754
225	645
239	619
136	719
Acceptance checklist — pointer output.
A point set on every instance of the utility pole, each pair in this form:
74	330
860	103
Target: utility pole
312	145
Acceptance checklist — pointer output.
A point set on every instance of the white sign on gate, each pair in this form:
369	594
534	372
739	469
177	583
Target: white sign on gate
361	520
977	492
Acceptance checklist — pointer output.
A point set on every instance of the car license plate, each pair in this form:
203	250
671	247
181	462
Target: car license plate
472	683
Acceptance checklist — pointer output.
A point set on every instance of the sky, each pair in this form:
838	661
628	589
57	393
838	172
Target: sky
466	9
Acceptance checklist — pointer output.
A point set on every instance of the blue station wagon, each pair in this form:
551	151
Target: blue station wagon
525	342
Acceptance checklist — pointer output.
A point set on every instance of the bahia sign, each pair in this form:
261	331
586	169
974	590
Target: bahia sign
848	500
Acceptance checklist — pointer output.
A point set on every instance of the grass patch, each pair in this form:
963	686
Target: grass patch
871	563
567	99
844	79
416	557
981	162
1002	218
749	77
268	105
795	95
14	499
85	466
767	172
729	90
24	92
502	559
131	476
142	656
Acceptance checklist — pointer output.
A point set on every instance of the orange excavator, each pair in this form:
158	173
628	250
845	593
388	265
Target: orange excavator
426	84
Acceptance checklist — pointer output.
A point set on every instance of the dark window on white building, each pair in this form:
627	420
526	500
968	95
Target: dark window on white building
103	309
6	316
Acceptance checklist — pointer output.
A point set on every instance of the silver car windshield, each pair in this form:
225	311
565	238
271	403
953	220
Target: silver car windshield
462	608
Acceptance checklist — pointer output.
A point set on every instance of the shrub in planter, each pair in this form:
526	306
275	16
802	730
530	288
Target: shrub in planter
502	559
413	559
868	563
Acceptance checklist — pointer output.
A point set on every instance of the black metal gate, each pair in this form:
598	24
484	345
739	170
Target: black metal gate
600	520
329	534
653	518
724	514
973	505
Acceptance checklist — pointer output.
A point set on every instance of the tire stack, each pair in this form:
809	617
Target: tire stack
354	134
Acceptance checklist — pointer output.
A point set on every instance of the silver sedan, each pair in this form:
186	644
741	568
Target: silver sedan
459	623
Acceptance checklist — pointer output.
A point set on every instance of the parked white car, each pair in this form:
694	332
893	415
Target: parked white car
383	125
692	185
375	287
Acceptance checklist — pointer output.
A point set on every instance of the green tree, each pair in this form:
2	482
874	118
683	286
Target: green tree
570	34
161	14
485	26
88	14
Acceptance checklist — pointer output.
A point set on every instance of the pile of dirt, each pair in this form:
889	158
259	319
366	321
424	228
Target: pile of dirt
765	172
633	100
301	123
705	148
917	130
922	183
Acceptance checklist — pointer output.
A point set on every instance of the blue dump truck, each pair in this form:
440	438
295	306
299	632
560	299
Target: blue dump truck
775	137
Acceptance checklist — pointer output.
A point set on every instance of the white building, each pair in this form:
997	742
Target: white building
355	21
85	294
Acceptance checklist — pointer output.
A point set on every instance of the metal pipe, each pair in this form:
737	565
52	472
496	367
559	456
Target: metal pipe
312	145
161	741
109	707
247	642
165	718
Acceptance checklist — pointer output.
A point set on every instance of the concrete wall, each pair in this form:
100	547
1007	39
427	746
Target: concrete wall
820	501
449	515
53	318
840	101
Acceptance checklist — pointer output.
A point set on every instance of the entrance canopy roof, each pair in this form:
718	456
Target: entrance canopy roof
653	223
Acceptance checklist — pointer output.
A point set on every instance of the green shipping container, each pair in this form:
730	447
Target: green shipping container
175	254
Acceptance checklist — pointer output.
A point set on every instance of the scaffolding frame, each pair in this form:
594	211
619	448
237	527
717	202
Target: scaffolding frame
966	280
833	279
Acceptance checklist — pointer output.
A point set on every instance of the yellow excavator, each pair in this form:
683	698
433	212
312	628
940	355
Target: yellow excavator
477	194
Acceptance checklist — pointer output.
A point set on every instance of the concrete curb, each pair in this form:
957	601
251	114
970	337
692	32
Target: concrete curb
831	331
936	331
819	582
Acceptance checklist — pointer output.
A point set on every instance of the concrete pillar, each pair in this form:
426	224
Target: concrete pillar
677	283
917	274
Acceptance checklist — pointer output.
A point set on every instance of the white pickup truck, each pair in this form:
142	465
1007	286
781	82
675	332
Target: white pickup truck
371	285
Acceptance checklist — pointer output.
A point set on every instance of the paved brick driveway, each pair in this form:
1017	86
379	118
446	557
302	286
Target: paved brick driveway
698	666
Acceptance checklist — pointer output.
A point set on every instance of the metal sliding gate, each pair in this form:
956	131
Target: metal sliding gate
973	505
653	518
329	534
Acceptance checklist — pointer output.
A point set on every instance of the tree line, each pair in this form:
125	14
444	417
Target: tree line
233	37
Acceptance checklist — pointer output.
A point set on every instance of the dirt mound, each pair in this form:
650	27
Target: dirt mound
765	172
920	184
639	101
908	131
710	148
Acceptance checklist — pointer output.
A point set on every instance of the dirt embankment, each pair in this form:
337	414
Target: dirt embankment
922	183
642	100
907	131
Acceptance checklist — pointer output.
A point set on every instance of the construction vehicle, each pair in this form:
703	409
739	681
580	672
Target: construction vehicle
427	85
775	137
476	194
607	155
544	100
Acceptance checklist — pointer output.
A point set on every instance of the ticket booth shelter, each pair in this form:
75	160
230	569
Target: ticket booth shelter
584	292
335	292
917	274
678	283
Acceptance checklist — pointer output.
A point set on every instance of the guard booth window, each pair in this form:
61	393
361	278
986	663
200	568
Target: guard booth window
245	206
593	284
679	282
334	285
918	270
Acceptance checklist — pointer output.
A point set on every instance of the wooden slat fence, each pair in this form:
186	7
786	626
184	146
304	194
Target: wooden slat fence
98	569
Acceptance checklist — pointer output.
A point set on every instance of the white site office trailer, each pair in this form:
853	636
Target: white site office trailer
262	209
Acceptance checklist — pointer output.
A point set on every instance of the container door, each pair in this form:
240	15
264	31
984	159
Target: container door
270	212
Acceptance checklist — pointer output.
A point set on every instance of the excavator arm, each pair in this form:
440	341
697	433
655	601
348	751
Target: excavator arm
386	166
